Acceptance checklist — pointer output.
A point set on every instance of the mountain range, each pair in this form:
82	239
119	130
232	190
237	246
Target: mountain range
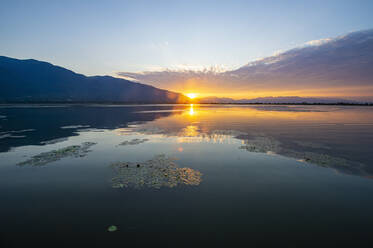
36	81
326	71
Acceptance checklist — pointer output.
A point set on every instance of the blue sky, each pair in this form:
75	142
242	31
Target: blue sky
103	37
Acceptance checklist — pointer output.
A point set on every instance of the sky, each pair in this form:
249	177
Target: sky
105	37
339	67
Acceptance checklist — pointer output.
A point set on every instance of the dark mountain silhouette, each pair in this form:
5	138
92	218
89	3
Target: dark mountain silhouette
35	81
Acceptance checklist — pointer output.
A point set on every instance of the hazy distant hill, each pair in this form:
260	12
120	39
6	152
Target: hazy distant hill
34	81
270	100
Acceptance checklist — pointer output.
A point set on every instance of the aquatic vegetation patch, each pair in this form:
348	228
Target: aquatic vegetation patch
22	131
55	155
53	141
6	135
74	126
262	144
112	228
17	136
10	134
97	130
160	171
17	131
133	142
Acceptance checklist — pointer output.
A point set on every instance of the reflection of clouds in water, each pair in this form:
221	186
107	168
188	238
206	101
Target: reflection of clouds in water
193	134
304	151
190	134
269	145
311	144
138	129
190	131
161	171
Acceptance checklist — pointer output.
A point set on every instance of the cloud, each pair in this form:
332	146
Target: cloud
320	67
318	42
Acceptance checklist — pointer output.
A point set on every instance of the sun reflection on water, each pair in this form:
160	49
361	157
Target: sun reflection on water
191	109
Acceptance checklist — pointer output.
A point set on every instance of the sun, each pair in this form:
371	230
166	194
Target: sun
191	95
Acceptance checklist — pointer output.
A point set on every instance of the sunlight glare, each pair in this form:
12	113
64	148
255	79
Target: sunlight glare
191	95
191	110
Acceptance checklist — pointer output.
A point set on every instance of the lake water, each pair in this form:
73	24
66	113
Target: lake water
175	175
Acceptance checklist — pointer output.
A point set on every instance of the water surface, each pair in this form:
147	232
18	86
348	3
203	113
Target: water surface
186	174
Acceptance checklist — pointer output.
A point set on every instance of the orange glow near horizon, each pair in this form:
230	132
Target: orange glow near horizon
216	90
191	95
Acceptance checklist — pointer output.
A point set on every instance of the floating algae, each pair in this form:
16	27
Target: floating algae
161	171
6	135
53	141
48	157
9	134
261	144
112	228
22	131
17	136
97	130
133	142
74	126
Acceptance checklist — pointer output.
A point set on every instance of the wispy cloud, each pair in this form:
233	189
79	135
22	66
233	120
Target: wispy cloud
318	42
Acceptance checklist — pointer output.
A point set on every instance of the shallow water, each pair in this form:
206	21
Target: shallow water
186	174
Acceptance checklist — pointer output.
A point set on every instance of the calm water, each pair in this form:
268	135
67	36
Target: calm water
186	175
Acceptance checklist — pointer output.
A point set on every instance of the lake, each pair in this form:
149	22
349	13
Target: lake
175	175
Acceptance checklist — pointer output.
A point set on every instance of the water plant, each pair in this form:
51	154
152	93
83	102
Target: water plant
54	155
160	171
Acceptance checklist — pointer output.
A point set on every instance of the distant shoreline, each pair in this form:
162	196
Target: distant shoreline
147	103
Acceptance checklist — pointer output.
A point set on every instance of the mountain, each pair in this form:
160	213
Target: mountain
275	100
334	67
36	81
